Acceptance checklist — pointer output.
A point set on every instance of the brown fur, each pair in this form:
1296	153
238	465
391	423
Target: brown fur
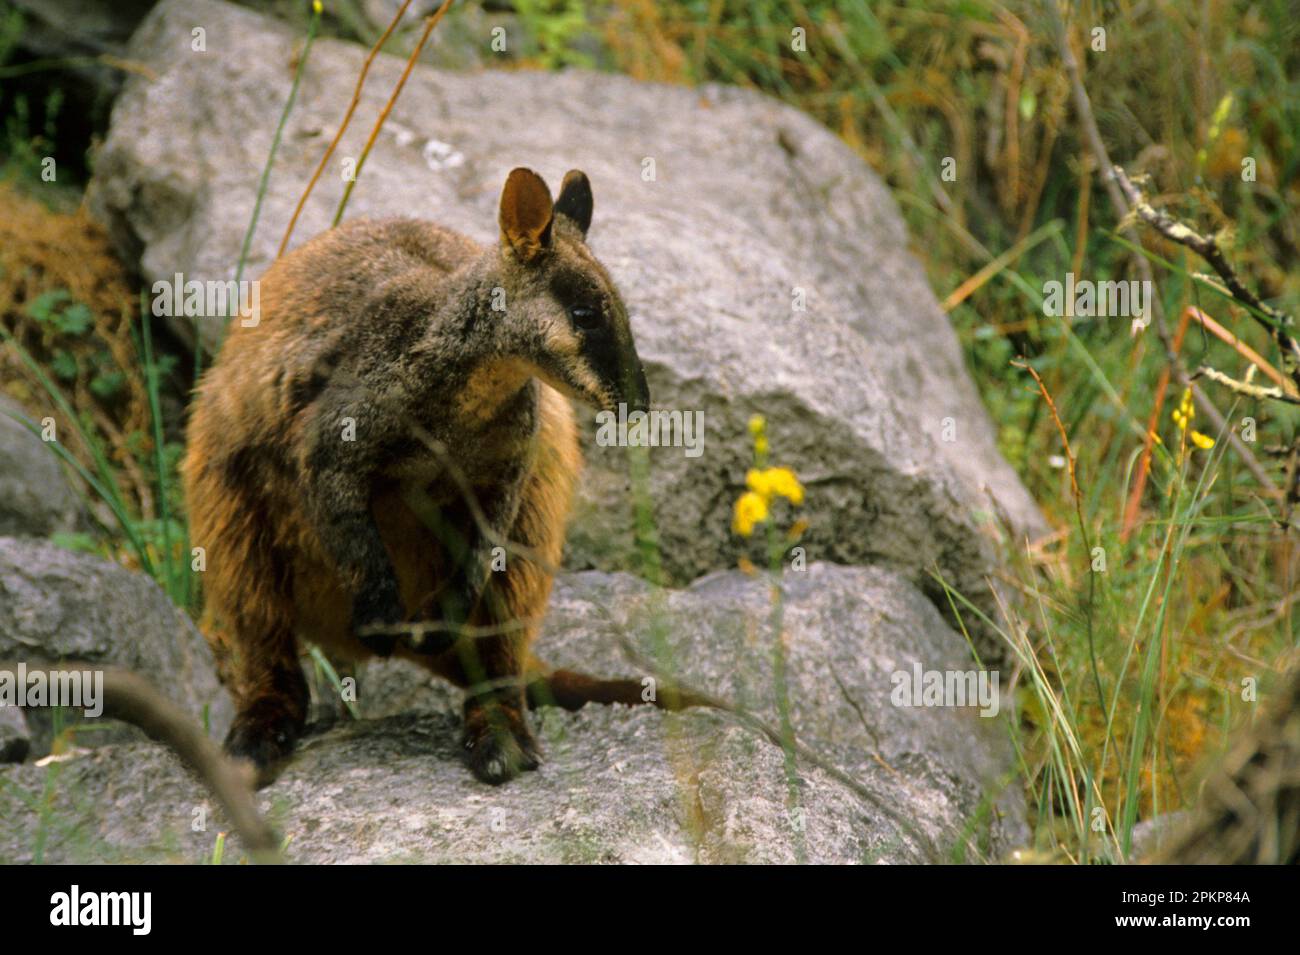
392	325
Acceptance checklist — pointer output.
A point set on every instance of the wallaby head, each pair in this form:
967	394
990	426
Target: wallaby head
565	317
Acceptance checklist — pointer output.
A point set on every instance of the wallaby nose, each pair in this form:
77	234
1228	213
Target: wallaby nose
639	397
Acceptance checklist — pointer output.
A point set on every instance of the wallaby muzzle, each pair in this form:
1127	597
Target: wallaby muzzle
626	383
613	359
637	397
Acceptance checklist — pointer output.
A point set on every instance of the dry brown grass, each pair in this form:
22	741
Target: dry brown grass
43	252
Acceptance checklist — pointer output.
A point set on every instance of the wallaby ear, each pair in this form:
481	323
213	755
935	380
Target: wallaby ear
526	213
575	199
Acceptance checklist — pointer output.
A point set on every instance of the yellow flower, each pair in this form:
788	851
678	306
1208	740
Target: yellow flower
1202	441
1185	412
763	483
751	509
756	481
782	481
773	482
315	5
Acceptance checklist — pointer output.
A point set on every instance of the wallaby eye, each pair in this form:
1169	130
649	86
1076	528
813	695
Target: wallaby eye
585	317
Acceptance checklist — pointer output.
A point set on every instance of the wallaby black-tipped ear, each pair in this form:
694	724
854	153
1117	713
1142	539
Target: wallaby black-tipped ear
575	199
526	213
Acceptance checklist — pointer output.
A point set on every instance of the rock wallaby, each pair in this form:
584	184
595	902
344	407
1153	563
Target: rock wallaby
393	441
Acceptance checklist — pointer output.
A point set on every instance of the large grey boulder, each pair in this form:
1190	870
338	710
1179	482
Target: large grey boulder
35	498
57	604
721	214
874	783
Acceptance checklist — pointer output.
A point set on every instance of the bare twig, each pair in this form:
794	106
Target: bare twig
1244	387
434	636
1244	350
1207	247
481	522
1065	440
422	628
130	698
1083	107
1083	530
1248	807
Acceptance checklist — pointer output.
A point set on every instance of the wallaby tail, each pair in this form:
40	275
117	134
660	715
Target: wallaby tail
573	690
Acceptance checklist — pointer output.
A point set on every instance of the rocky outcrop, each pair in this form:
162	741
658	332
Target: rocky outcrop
871	782
56	605
35	498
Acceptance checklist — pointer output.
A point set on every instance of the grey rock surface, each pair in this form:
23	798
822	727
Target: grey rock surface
874	784
764	265
56	604
15	737
35	497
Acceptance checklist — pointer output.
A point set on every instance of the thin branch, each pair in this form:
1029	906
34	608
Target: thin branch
1083	530
1083	107
419	630
1244	350
481	522
132	699
1245	388
1207	247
